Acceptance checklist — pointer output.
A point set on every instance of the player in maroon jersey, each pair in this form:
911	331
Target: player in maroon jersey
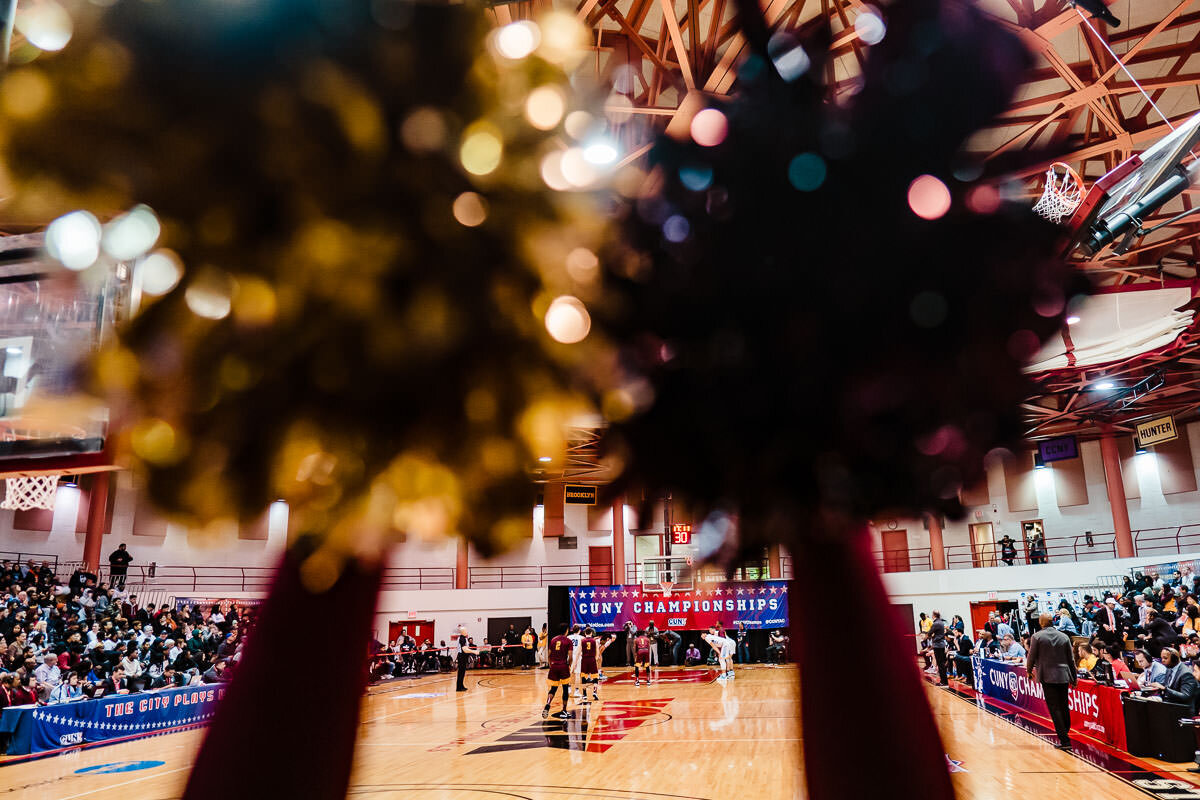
589	669
641	657
559	654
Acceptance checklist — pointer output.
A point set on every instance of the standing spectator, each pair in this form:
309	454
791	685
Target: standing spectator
1109	627
118	565
1037	549
1049	662
743	644
630	635
528	640
1008	550
937	639
674	643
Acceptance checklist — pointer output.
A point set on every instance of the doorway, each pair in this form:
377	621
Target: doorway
983	545
418	629
600	566
980	611
895	551
1031	528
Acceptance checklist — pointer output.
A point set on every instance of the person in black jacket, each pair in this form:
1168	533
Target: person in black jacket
939	642
962	659
1158	635
1050	662
1179	684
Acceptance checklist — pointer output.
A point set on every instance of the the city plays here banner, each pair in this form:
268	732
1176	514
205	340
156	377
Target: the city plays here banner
38	728
760	605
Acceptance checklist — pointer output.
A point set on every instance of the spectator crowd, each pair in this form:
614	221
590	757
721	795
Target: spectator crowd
61	642
1144	636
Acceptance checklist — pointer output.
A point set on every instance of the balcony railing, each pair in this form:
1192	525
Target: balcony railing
1057	550
19	557
917	559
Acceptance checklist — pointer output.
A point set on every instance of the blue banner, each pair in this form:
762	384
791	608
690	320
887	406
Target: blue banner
38	728
759	605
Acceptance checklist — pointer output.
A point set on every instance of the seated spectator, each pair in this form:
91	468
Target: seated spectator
775	646
1065	624
67	691
116	684
1010	650
1085	659
692	657
26	691
166	679
216	674
48	673
1177	685
1120	670
1151	671
964	649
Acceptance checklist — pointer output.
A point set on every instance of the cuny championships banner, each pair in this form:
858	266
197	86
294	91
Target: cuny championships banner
1095	710
38	728
756	605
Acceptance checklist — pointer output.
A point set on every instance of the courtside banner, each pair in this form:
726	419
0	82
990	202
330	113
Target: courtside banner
38	728
760	605
1095	710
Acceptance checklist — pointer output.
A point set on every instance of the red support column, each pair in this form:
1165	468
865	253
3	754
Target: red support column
937	550
1116	494
618	545
93	541
774	564
461	567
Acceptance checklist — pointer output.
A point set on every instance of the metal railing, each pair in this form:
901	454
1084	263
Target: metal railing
1056	549
37	558
1152	541
916	559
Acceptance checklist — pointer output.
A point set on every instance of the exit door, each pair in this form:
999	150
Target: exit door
600	567
418	629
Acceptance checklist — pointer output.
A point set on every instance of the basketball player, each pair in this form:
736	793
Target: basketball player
576	637
559	655
724	647
641	657
604	643
589	671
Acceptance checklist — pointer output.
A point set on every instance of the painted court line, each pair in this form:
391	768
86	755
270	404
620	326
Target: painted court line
126	783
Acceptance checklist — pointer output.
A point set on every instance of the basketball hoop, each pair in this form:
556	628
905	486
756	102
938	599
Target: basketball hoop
1062	193
666	587
29	492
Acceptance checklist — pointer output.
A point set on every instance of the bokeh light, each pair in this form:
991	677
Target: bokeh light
709	127
518	39
576	169
423	131
600	152
160	272
578	124
564	38
470	209
567	320
806	172
131	235
210	295
46	25
481	150
552	171
928	197
545	106
676	228
74	240
582	265
869	25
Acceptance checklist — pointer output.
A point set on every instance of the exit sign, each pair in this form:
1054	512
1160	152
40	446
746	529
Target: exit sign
681	533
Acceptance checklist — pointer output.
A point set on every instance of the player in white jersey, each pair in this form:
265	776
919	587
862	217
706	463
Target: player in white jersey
725	648
576	637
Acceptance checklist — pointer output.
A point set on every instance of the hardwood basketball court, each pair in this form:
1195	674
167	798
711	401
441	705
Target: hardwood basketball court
685	736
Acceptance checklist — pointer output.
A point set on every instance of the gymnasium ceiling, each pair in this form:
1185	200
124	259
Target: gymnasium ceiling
1076	103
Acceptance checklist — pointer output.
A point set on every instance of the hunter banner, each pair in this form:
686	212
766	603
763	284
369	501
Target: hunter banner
1095	710
35	729
759	605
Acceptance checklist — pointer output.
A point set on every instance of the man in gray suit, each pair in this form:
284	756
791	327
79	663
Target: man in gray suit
1050	663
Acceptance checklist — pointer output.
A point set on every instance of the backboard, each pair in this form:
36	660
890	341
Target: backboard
49	321
674	573
1132	179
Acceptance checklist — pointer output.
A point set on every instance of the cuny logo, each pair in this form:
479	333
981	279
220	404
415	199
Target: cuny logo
677	621
71	738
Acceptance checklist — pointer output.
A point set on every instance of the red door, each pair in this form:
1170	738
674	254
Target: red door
600	570
895	551
418	629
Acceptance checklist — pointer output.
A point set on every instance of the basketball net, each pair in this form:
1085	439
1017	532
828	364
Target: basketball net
666	587
25	493
1062	193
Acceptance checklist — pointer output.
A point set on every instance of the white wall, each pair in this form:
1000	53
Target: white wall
450	608
952	591
1152	510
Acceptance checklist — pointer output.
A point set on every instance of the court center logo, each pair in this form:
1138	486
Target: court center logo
581	732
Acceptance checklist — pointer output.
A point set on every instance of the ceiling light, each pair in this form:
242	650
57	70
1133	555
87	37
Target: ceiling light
545	459
1071	320
13	351
1104	386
